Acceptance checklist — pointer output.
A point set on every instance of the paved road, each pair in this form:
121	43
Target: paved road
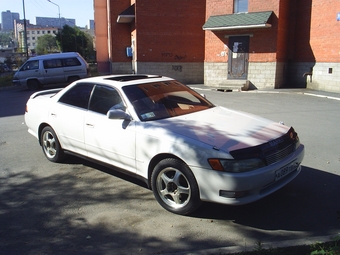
82	208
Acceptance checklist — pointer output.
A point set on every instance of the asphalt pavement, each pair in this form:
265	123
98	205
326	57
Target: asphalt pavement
82	208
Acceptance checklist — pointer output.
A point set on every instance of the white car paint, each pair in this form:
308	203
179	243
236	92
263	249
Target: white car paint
132	144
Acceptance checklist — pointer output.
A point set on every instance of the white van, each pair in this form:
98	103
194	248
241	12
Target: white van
51	68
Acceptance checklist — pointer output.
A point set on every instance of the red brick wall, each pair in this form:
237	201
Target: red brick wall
170	30
120	33
317	31
263	43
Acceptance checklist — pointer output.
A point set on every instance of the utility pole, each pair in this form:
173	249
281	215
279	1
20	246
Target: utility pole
60	28
25	30
58	12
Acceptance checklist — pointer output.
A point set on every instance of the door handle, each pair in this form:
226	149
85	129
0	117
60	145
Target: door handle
89	125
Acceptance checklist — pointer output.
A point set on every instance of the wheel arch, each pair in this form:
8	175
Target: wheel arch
40	129
33	79
155	160
72	78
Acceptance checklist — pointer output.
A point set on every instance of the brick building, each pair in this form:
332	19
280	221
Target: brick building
165	37
223	43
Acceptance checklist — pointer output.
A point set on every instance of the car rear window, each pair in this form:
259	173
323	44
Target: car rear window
71	62
78	96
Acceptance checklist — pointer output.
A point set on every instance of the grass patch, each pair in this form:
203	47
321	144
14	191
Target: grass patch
6	80
327	248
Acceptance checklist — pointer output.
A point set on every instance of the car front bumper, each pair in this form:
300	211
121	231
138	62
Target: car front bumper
247	187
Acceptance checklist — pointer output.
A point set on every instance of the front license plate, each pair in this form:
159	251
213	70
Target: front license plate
279	174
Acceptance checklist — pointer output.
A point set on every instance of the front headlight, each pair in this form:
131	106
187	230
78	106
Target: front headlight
236	166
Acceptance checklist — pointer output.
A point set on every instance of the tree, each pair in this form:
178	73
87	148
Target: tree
73	39
47	44
6	40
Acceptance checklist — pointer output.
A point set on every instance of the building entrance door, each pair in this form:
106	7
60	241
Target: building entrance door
238	57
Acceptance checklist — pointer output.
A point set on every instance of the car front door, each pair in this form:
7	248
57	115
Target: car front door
109	140
30	70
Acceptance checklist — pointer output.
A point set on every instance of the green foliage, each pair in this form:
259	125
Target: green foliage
6	80
5	39
73	39
47	44
326	248
331	248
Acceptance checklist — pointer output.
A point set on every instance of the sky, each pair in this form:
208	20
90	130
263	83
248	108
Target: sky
80	10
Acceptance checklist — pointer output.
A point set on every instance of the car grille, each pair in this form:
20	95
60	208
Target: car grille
280	154
272	151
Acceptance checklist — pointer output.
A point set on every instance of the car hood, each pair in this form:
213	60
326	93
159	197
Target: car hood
224	129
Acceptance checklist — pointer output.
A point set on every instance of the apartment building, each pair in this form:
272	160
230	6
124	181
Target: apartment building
7	20
33	33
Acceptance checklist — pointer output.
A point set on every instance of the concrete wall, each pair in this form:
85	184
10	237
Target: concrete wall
188	73
262	75
121	68
215	74
325	76
266	75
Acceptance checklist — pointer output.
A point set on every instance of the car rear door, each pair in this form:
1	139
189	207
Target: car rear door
67	117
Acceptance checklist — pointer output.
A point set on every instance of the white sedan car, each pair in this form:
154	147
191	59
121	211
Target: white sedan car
184	147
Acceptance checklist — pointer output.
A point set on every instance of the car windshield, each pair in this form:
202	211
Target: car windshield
160	100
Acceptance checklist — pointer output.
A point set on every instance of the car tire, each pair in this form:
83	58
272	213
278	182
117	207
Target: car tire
51	146
175	187
72	79
33	85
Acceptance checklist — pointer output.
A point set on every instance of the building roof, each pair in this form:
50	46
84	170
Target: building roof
127	15
238	21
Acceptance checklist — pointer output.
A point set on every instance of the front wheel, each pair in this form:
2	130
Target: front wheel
51	146
175	187
33	84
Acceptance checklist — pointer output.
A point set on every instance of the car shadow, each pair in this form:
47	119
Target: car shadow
311	202
111	170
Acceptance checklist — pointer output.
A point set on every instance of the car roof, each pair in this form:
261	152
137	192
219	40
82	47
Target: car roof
126	79
55	55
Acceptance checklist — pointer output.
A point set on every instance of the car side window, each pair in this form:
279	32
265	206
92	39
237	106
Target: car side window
71	62
78	96
31	65
52	63
105	98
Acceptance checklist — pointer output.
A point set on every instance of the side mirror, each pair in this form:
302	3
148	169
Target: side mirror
118	114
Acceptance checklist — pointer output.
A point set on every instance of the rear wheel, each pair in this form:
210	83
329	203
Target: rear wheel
175	187
72	79
51	146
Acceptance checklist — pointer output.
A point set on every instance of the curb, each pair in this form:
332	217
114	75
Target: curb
307	92
270	245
